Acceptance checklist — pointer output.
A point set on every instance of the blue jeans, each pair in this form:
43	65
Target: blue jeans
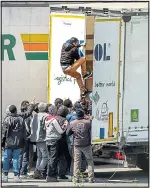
10	154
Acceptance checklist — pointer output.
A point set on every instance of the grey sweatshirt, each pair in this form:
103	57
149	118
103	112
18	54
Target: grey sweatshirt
53	129
38	132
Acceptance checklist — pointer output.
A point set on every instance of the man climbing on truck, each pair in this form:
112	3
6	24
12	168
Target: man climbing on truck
70	61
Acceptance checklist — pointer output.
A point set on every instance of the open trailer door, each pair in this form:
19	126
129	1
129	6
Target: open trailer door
106	79
62	27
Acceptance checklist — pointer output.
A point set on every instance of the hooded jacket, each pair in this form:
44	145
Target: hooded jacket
13	130
69	53
53	130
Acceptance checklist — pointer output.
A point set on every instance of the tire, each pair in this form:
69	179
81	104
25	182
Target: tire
143	162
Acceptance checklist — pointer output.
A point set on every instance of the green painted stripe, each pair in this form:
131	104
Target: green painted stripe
36	55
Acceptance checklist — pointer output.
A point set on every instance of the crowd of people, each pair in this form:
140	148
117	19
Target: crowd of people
61	133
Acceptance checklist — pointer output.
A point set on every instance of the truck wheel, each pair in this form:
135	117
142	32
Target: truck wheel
143	162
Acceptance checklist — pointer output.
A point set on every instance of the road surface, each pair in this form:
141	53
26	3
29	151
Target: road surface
106	176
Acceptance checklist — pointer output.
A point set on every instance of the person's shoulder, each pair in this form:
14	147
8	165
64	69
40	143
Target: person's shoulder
49	117
6	119
74	121
87	120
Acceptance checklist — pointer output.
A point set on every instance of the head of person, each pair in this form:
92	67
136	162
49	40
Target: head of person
84	105
80	113
42	107
11	109
36	108
48	105
24	106
52	110
77	105
62	111
68	103
58	102
74	41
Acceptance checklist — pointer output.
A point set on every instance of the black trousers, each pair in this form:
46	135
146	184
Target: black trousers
64	157
53	152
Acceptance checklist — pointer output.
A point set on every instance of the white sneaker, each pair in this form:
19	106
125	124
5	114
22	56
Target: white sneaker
23	176
5	179
17	179
70	178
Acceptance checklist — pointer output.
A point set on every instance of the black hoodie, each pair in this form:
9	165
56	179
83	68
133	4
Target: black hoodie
69	54
14	132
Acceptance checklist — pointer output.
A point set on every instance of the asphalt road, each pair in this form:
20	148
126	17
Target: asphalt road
106	176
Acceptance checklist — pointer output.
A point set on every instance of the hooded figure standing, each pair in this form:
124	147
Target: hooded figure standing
13	139
71	117
81	130
53	134
64	156
38	134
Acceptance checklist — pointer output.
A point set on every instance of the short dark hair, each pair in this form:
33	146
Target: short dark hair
12	109
77	105
58	102
63	111
80	113
73	39
24	106
68	103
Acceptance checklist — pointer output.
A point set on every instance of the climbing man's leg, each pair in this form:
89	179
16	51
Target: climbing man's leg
81	63
76	75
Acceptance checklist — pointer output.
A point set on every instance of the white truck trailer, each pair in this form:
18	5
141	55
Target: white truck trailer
31	44
120	87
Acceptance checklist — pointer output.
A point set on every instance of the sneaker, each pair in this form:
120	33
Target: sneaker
17	179
51	179
91	181
84	93
70	178
87	75
62	177
30	175
43	177
37	174
23	176
5	179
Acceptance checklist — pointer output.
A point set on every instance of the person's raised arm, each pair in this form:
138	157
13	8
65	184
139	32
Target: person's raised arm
29	111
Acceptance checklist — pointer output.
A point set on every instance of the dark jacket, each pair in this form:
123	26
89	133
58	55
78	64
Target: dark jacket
81	130
27	113
14	133
70	118
27	122
69	54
